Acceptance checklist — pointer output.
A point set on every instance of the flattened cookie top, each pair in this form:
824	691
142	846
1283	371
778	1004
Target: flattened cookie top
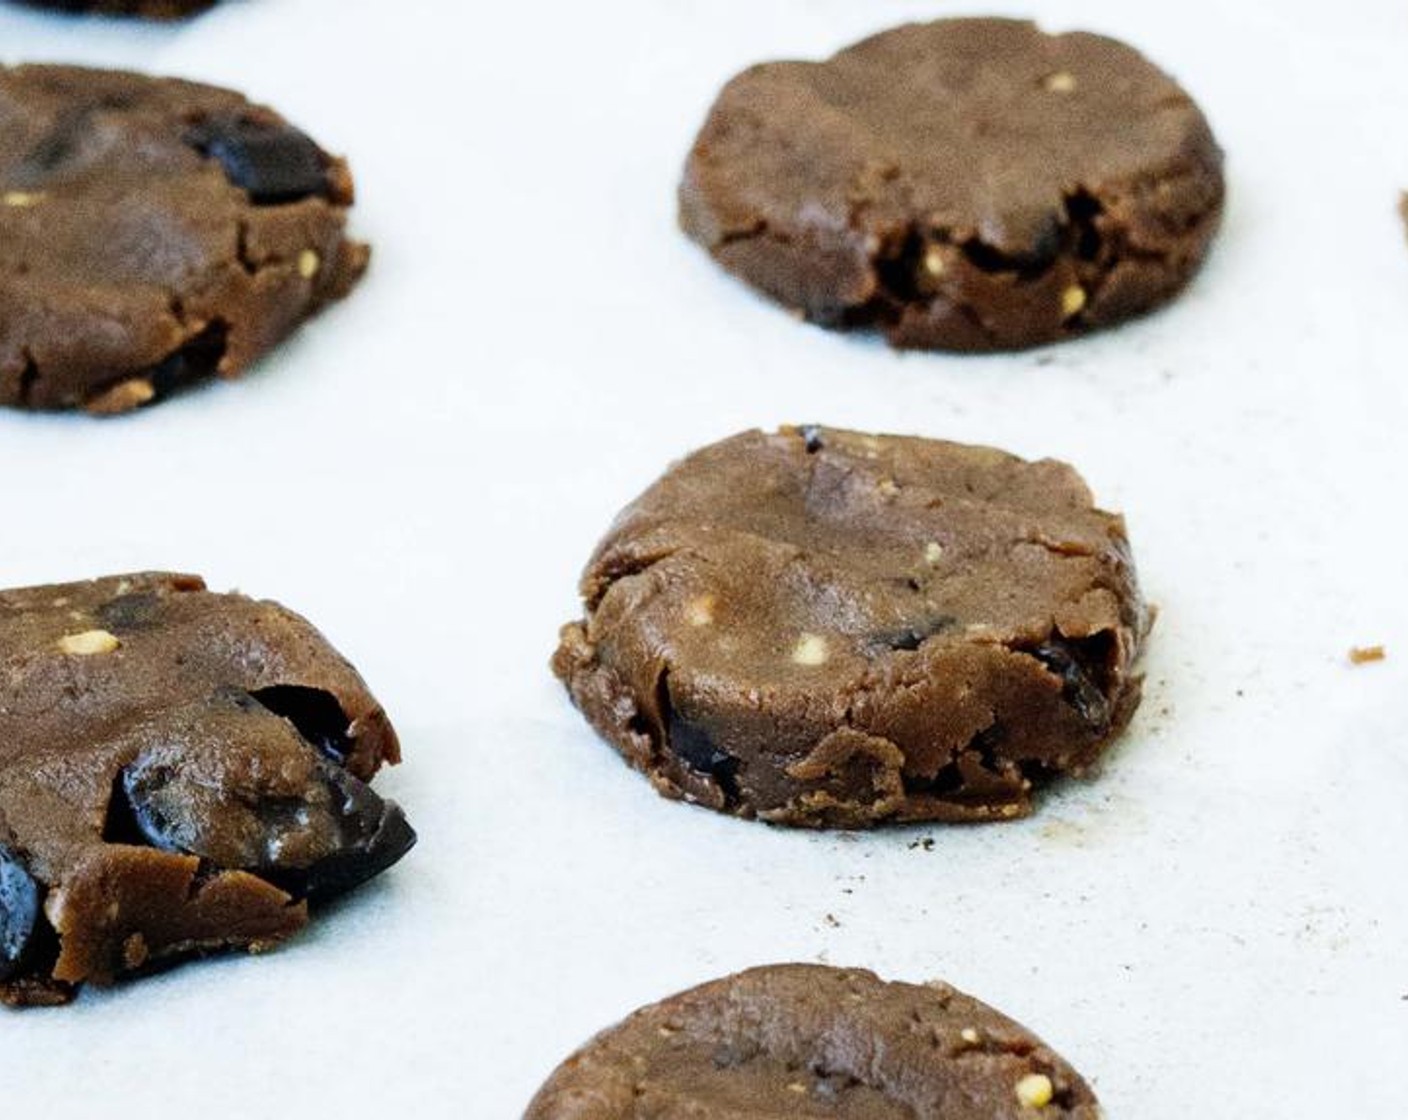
968	184
180	771
157	232
822	627
814	1041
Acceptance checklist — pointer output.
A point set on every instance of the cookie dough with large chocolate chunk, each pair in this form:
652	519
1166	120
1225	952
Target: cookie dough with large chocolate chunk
147	9
824	628
155	233
180	772
969	184
791	1041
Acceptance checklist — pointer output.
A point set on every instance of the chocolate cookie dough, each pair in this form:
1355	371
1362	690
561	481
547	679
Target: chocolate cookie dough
148	9
810	1041
969	184
155	233
825	628
180	772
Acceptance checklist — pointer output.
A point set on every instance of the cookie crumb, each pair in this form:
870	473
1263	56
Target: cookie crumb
934	263
1073	301
308	264
810	650
21	199
1364	655
969	1035
1035	1091
88	644
1063	81
796	1087
933	553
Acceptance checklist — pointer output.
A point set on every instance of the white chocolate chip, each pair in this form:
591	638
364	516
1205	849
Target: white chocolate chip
88	644
969	1035
308	264
810	650
1073	301
1035	1091
122	397
1063	81
700	611
20	199
933	554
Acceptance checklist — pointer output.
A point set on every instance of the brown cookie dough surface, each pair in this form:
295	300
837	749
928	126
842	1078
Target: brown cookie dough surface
155	233
969	184
148	9
180	772
825	628
813	1041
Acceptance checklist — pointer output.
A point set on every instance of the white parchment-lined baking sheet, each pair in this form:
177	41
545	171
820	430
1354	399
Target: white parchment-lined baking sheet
1215	926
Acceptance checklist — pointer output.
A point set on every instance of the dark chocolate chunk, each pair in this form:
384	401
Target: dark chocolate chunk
19	911
271	160
317	715
331	837
1079	688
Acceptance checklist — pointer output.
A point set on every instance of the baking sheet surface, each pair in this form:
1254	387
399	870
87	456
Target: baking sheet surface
1215	926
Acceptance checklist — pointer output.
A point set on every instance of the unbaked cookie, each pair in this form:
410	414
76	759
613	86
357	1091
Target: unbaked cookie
180	772
969	184
793	1041
825	628
156	232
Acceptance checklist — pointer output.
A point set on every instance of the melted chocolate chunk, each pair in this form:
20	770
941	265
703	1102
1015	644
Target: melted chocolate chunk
274	162
19	912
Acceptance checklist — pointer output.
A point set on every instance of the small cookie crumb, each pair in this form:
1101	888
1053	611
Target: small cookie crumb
969	1035
810	650
308	264
1364	655
1063	81
88	644
1073	301
700	611
20	199
1035	1091
933	553
796	1087
934	263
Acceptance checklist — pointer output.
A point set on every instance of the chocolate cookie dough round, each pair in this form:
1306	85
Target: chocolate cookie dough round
180	772
791	1041
156	232
969	184
147	9
825	628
